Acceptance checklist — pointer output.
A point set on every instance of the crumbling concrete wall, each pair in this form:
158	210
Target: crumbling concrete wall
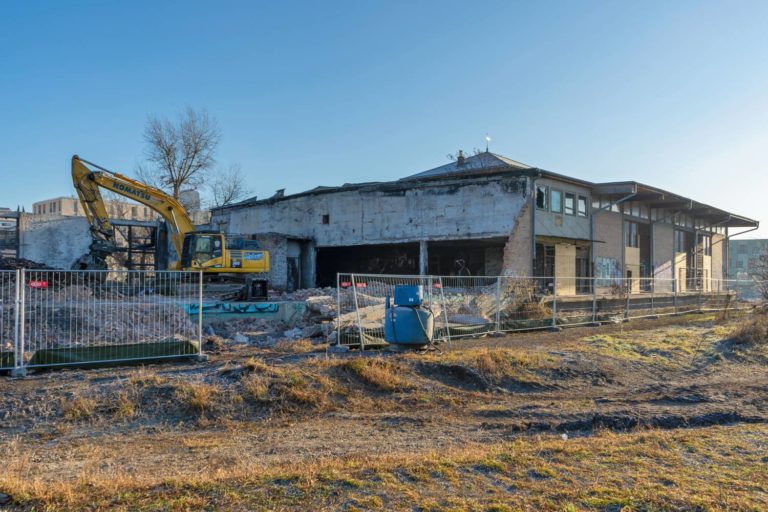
389	213
57	243
277	245
518	258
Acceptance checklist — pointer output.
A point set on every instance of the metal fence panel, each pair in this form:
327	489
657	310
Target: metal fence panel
466	306
8	324
83	317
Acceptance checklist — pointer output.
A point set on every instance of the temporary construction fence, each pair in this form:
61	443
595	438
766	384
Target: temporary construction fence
466	306
62	318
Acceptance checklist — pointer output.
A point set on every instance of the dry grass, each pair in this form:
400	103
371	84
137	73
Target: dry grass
125	407
144	377
753	330
78	408
300	346
200	397
715	468
379	373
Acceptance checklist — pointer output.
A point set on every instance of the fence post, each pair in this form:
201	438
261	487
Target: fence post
674	296
627	288
19	369
445	309
594	300
16	313
338	308
200	355
357	311
554	302
498	304
653	289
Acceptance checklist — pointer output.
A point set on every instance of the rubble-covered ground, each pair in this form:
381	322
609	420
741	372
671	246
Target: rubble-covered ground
666	414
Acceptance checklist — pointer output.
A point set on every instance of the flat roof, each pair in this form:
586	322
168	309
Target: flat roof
490	164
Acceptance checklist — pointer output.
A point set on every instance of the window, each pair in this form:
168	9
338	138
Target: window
582	212
326	218
679	241
706	245
556	201
631	238
541	197
569	203
134	211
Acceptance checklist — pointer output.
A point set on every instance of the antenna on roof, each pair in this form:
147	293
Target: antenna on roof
487	142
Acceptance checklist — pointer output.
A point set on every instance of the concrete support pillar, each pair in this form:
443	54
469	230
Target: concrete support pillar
423	258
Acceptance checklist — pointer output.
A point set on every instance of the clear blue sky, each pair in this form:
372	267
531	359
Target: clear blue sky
673	94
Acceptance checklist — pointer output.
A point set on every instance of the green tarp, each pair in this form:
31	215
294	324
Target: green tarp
113	354
6	360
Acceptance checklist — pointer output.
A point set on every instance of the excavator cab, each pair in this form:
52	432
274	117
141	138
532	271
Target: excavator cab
200	249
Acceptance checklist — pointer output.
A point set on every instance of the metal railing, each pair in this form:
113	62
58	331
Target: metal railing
63	318
472	306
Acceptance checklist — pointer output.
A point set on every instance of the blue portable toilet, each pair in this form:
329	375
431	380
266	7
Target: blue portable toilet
407	321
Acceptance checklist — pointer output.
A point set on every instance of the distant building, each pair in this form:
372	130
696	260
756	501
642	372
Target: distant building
743	256
71	207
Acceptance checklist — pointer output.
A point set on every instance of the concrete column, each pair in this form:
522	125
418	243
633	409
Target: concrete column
423	257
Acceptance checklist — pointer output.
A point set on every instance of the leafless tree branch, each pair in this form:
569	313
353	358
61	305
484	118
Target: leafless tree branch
179	154
228	186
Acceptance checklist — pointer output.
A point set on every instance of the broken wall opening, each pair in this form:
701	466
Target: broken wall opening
366	259
466	257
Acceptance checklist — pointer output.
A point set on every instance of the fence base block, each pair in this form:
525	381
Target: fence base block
18	373
201	358
594	324
555	329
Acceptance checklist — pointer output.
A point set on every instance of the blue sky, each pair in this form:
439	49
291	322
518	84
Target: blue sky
673	94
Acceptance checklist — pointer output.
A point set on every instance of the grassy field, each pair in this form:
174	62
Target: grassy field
657	415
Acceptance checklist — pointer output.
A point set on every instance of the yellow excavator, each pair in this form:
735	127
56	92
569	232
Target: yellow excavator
209	251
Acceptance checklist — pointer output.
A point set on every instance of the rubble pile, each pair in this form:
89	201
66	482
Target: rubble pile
90	324
19	263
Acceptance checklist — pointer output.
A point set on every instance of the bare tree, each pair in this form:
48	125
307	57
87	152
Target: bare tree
179	154
228	186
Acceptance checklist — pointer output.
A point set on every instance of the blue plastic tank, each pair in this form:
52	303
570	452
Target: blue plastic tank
407	321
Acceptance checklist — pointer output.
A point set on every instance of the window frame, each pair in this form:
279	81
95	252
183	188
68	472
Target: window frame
552	191
579	200
572	197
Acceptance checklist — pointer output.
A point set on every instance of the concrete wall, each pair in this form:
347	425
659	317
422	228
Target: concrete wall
395	213
718	256
57	243
609	245
277	245
662	238
565	269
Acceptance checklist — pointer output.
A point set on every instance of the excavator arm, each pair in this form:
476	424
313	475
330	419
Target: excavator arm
88	182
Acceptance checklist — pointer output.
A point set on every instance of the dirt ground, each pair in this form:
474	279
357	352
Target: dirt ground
256	429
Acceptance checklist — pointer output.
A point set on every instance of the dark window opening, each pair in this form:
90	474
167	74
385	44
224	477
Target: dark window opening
326	219
631	235
541	197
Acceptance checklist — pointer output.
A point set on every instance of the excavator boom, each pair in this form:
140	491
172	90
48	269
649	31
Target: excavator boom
87	183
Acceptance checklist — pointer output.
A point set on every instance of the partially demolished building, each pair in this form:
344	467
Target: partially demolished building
488	215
